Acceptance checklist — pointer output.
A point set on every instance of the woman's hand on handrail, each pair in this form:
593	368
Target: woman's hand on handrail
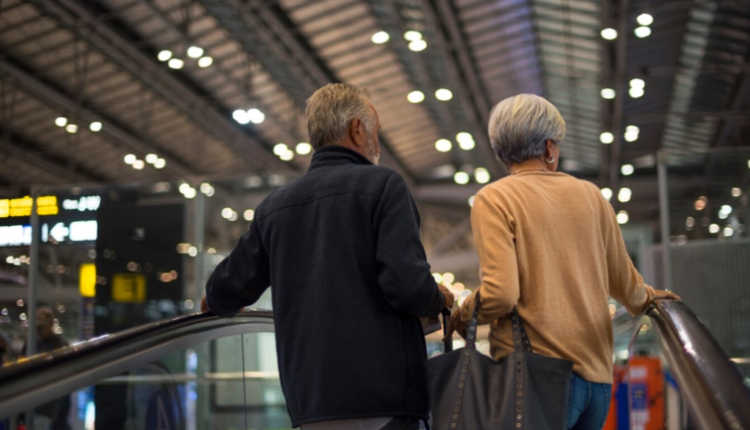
665	294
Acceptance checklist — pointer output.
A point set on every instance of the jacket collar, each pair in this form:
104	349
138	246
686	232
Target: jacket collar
336	156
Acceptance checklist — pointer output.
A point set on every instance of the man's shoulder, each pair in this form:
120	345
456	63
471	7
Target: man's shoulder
358	179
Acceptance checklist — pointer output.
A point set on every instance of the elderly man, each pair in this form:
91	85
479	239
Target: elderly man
341	248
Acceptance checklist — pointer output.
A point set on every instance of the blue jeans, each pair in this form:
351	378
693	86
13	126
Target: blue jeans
588	404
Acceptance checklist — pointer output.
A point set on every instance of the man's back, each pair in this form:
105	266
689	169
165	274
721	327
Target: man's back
341	249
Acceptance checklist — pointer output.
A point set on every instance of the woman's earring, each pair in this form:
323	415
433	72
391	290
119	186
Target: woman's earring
550	160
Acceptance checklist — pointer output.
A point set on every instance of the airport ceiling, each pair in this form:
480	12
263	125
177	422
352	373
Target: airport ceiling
124	79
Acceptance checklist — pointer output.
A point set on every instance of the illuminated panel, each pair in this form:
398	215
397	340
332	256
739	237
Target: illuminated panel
87	280
15	235
46	205
81	231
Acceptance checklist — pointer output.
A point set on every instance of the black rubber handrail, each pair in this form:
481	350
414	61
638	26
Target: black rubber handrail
44	377
710	382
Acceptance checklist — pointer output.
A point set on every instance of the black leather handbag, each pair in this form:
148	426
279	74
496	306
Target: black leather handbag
470	391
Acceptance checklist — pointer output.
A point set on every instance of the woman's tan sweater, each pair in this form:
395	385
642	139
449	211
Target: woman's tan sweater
550	244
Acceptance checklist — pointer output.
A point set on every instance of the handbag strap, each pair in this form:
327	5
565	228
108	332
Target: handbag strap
521	340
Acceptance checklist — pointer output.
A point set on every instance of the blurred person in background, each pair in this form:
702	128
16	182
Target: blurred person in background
550	246
5	347
340	247
46	338
48	341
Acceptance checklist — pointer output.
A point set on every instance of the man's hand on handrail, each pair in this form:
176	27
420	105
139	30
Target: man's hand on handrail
204	305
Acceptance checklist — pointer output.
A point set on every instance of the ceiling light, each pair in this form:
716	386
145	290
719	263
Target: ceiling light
713	228
736	192
443	94
241	116
95	126
637	83
701	203
207	189
607	138
175	63
624	195
627	169
164	55
190	193
481	175
195	52
280	148
636	92
151	158
415	97
623	217
130	159
205	61
256	116
607	193
643	32
184	187
287	156
304	148
249	215
160	163
461	178
690	222
138	164
645	19
226	213
418	45
412	35
465	141
380	37
728	231
71	128
61	121
609	34
471	201
726	209
443	145
632	129
608	93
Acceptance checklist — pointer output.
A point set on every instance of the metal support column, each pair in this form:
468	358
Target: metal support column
33	277
664	217
199	233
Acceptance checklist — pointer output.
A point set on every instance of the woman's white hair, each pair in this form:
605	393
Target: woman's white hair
521	125
330	110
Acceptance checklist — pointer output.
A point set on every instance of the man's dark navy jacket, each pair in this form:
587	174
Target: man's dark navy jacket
340	247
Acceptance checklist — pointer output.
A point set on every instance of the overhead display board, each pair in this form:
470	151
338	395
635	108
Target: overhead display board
62	219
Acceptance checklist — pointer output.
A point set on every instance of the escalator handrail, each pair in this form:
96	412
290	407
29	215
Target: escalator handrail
700	364
24	382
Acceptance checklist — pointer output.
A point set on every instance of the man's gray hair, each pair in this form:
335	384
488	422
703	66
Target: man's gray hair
332	108
520	126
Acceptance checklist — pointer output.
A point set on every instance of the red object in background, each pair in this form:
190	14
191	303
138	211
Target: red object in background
646	393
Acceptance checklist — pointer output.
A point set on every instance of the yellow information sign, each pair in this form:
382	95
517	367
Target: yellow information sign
45	205
87	280
128	288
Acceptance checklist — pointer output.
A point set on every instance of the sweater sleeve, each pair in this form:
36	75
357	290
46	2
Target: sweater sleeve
404	274
241	278
495	242
625	283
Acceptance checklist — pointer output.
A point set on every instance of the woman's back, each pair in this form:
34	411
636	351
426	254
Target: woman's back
551	244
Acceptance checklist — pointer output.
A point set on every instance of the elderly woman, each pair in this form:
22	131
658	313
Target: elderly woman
549	245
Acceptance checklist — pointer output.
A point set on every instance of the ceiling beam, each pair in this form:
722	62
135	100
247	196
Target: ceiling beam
22	149
114	133
268	34
84	20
